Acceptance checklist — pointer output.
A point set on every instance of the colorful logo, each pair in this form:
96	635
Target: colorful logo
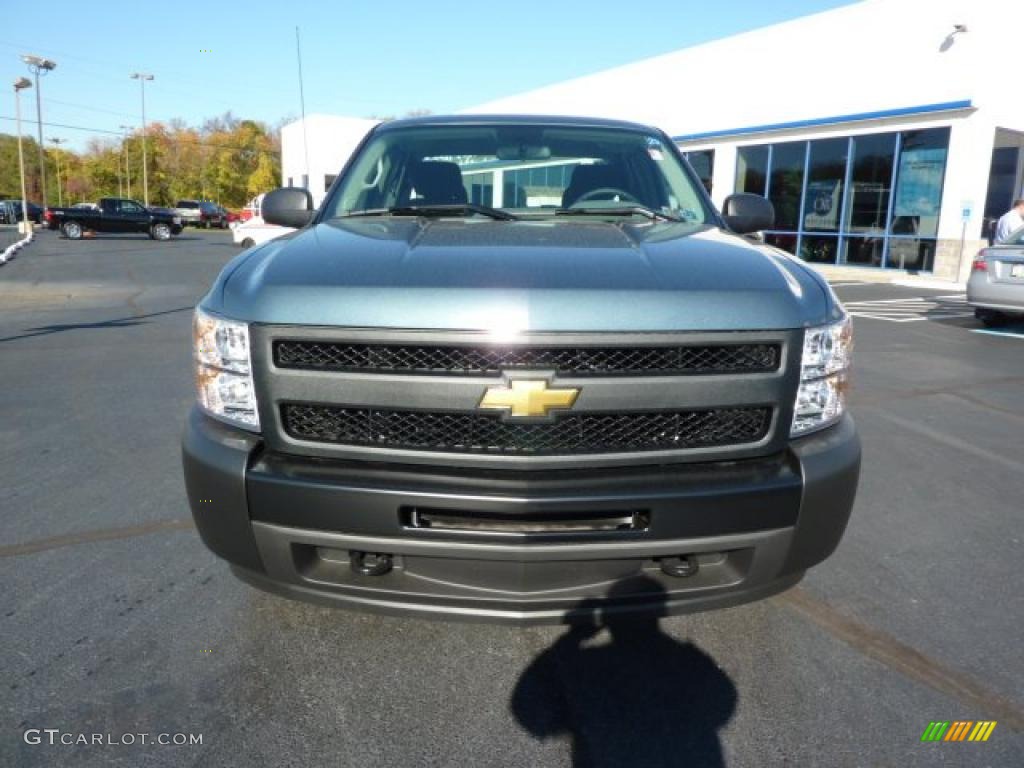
958	730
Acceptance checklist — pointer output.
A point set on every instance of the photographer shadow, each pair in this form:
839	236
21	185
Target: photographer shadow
639	698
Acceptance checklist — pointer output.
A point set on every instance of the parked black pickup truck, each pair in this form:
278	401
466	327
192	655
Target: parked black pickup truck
114	214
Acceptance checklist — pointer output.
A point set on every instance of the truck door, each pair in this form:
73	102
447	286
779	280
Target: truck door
109	216
132	217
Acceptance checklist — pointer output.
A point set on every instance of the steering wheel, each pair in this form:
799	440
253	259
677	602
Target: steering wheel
605	191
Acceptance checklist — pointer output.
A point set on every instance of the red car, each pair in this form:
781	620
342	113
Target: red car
230	216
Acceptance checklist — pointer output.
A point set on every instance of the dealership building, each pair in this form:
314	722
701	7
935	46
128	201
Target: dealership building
888	134
314	150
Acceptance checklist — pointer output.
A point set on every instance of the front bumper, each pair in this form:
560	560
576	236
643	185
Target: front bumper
288	524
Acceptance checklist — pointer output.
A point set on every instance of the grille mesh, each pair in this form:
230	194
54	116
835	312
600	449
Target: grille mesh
489	434
492	360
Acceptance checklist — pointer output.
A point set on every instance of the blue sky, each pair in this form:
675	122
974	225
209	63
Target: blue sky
358	58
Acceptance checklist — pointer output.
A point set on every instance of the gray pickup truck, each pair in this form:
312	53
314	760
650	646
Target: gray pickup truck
520	369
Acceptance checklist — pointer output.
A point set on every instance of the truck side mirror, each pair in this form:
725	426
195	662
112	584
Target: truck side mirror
288	207
745	213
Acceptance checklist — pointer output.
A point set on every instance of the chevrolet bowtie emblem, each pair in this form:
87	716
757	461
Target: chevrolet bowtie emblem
528	398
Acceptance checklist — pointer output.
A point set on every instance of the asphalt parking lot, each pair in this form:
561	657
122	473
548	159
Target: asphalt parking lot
117	620
8	234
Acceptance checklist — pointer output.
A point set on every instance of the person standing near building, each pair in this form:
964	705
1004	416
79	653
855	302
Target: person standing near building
1010	221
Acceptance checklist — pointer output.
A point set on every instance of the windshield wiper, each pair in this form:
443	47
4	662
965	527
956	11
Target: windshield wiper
444	209
628	210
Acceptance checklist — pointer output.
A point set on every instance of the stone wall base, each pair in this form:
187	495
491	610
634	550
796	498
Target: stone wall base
949	265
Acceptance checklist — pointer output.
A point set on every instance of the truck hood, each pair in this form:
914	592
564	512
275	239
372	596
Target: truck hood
506	277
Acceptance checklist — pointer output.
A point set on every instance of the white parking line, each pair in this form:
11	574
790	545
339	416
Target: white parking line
912	309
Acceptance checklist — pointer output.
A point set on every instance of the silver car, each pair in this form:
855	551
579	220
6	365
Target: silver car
996	286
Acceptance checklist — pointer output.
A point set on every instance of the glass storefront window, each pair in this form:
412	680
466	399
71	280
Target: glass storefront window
862	251
515	188
922	168
786	182
1002	182
752	169
870	200
536	187
911	253
479	188
703	163
870	178
820	249
825	175
781	240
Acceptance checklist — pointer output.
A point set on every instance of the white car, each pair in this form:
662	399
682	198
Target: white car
255	231
252	208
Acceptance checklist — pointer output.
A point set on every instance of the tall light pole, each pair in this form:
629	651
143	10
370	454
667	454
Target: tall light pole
19	85
127	168
142	77
37	65
56	144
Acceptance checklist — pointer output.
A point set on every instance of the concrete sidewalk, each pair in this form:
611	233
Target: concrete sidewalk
836	274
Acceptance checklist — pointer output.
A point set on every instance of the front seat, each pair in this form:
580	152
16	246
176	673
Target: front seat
587	178
436	183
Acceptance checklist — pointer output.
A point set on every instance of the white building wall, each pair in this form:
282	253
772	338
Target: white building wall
868	56
966	185
331	142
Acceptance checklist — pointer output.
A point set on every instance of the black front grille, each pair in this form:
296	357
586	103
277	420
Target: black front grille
483	360
490	434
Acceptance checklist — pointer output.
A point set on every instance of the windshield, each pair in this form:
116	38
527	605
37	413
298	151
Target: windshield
522	169
1014	238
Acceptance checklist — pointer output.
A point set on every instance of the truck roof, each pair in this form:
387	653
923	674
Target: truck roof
564	120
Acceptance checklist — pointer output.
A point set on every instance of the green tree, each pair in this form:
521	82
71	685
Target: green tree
266	176
10	178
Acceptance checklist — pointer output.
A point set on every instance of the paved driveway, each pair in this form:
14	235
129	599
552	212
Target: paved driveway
116	621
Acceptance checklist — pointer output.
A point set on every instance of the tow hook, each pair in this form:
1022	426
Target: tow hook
369	563
680	566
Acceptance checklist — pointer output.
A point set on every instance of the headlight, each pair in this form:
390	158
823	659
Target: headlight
177	219
825	364
223	370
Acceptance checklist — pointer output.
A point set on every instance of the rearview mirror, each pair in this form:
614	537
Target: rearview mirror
288	207
523	152
745	213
